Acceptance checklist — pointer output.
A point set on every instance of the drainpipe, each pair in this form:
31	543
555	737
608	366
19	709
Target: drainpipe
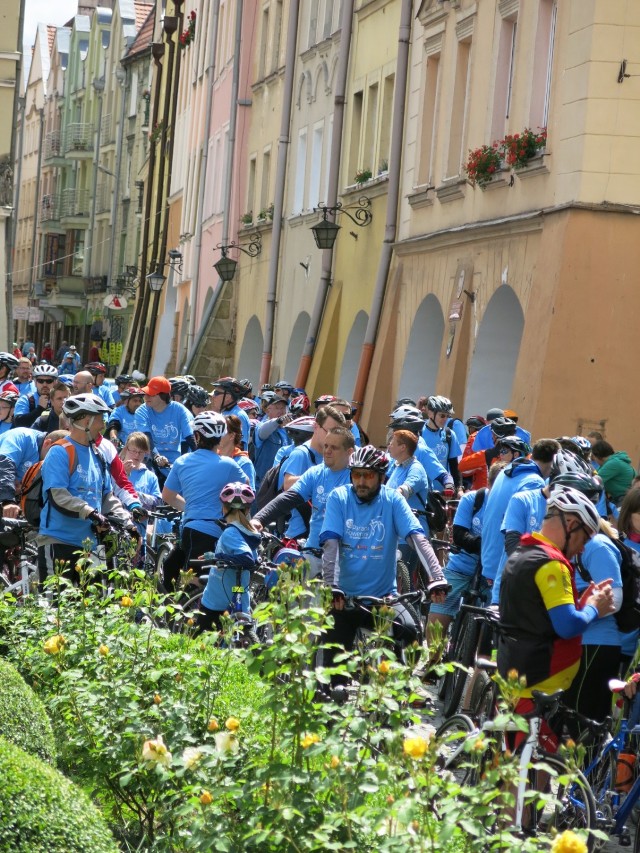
346	27
98	85
278	202
228	180
121	76
34	233
157	51
11	232
195	278
393	197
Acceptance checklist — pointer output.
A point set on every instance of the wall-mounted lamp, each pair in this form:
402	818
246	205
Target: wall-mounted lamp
226	266
157	279
325	232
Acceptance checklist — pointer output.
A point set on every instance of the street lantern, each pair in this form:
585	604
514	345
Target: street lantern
325	232
226	266
156	280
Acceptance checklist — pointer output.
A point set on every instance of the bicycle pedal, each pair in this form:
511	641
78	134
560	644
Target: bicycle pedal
624	839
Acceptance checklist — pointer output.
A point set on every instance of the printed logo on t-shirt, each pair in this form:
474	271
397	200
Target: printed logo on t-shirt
168	433
373	531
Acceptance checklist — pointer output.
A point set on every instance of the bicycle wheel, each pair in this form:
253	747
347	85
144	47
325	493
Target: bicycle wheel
463	653
451	757
568	801
483	697
163	552
403	580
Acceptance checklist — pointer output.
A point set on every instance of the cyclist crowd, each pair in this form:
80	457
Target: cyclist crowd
539	519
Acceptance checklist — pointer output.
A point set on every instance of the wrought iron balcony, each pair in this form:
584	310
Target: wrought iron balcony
75	202
78	140
50	208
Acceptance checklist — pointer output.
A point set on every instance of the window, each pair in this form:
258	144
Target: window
264	41
385	126
277	36
316	165
429	124
301	170
356	129
459	109
327	159
504	76
77	257
372	125
328	18
251	186
543	63
313	22
265	184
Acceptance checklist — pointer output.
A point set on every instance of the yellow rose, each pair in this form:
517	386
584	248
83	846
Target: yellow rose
308	740
232	724
125	601
155	750
104	650
53	645
205	798
227	742
384	667
213	725
335	762
191	756
157	698
568	842
415	747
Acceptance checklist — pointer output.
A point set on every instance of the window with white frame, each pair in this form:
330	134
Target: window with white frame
301	172
313	22
265	182
504	76
543	63
264	44
277	35
327	28
459	108
316	164
327	159
428	128
356	130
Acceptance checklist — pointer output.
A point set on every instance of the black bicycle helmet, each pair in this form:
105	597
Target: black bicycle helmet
413	423
369	457
503	427
438	403
179	386
198	396
232	386
515	444
475	423
590	485
247	385
283	385
125	379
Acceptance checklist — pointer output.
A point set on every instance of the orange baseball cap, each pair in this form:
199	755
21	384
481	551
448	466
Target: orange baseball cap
157	385
509	413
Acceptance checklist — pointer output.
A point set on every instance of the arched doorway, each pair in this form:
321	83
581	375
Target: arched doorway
296	346
251	352
496	353
351	357
422	358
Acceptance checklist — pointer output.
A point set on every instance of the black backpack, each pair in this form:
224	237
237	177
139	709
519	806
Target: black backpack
269	485
628	617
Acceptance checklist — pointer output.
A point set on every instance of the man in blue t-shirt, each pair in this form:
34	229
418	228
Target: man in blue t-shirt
362	525
227	391
20	448
485	438
165	423
440	438
269	433
314	487
77	492
123	419
23	379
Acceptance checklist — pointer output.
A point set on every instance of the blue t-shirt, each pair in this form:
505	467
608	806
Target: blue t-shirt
266	449
25	388
316	485
368	534
21	445
484	437
411	473
463	562
126	420
355	429
145	482
602	560
459	430
520	475
247	469
199	477
5	426
89	479
23	405
104	392
437	441
239	546
168	429
524	514
245	423
436	472
299	460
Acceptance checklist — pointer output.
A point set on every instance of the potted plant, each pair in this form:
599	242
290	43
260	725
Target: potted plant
519	148
247	218
483	163
188	36
383	168
156	133
363	176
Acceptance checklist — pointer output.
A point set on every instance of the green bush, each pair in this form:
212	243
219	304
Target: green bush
23	719
41	811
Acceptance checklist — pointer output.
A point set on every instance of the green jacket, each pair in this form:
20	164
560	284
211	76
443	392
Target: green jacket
617	473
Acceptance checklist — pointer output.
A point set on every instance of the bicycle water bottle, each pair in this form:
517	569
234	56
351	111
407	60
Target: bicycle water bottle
625	771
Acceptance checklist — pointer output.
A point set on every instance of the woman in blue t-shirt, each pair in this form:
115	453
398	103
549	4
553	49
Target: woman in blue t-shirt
237	547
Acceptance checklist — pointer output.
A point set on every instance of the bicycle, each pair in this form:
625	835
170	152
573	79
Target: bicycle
158	546
571	804
19	569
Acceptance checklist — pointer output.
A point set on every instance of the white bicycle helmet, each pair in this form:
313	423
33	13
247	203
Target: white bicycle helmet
305	424
566	462
238	495
84	404
369	457
8	360
401	412
210	424
45	370
572	502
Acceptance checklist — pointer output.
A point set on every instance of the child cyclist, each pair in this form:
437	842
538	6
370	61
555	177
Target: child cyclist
237	546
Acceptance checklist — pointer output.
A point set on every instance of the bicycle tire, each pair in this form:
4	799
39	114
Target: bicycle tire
403	579
574	806
464	654
163	552
482	699
459	764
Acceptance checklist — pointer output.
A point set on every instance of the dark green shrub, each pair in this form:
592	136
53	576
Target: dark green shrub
23	719
41	811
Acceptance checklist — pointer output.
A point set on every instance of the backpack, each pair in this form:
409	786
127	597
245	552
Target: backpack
251	446
31	498
269	485
436	510
628	617
479	499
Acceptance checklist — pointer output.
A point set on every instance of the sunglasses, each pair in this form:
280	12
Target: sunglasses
46	381
504	450
363	474
218	393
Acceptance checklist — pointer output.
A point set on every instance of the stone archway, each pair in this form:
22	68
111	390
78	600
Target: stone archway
495	355
422	356
351	357
296	346
250	356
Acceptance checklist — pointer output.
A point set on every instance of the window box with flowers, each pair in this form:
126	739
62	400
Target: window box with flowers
156	133
363	176
188	35
484	165
246	219
520	148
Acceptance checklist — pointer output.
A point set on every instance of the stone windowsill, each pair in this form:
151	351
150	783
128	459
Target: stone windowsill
536	166
451	189
421	197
